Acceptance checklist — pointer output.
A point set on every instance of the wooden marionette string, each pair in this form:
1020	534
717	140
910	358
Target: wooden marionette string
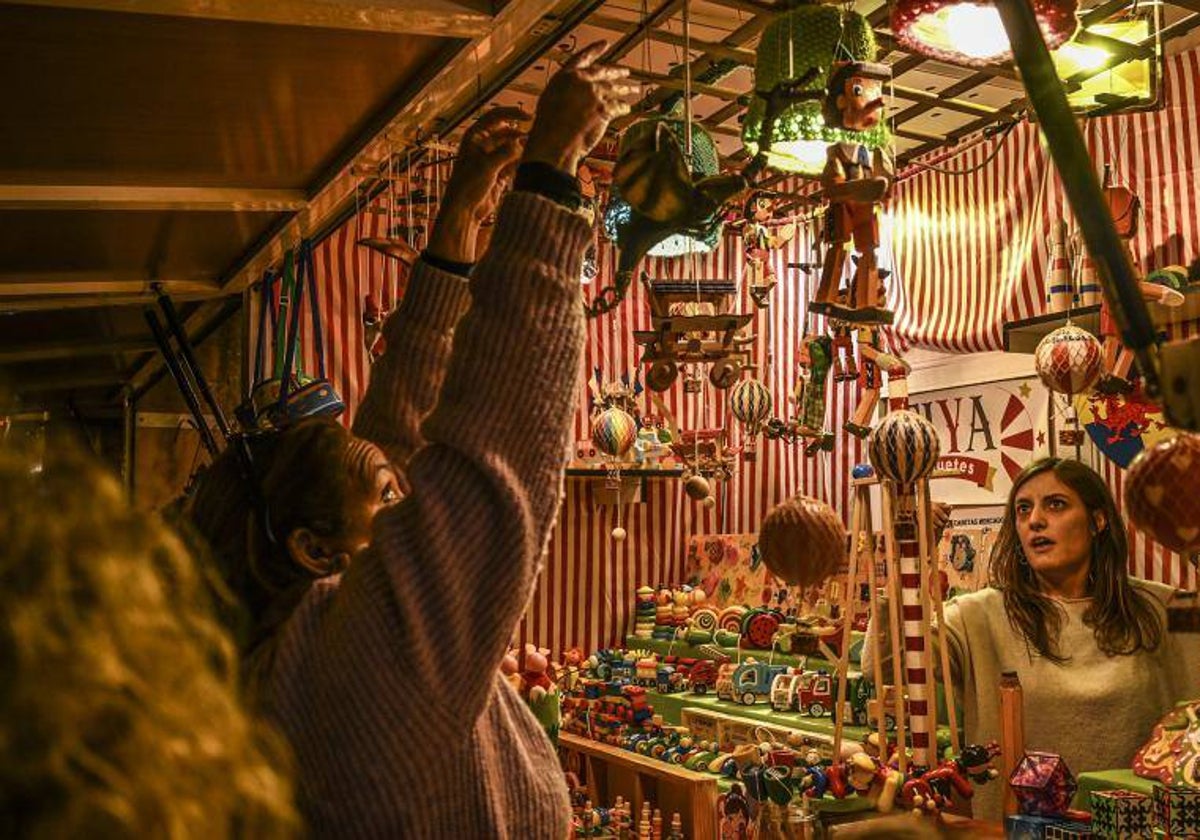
856	515
873	607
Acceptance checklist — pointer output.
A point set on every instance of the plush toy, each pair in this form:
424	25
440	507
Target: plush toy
534	676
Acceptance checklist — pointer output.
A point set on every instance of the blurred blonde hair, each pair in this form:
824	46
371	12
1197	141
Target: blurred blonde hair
118	690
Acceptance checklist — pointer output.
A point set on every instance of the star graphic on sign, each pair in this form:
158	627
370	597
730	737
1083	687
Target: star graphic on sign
1041	437
1025	390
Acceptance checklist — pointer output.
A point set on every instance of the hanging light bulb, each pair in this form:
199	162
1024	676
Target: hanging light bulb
972	33
809	37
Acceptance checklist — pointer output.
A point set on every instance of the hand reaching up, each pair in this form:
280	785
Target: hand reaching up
486	159
575	109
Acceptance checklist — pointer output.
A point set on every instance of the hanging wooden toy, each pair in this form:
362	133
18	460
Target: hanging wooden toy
855	181
873	362
1069	361
614	432
760	236
750	402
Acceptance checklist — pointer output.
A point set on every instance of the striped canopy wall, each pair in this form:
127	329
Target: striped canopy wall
969	253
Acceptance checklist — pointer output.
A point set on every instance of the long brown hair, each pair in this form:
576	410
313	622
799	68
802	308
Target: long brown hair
304	482
119	695
1123	619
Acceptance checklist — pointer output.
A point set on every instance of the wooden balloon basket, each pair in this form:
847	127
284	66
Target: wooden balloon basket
912	582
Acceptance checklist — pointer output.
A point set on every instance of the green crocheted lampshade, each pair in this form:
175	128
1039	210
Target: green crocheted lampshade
703	162
796	41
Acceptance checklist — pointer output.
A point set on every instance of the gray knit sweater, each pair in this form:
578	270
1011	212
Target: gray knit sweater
385	679
1094	710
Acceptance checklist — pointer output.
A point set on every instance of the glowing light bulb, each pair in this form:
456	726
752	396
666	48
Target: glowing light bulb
973	30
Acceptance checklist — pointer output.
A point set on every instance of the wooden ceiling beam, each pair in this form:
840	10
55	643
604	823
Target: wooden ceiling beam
136	197
442	18
55	350
67	382
662	36
57	283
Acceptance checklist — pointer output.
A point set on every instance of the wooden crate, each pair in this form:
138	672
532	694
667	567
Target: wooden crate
610	772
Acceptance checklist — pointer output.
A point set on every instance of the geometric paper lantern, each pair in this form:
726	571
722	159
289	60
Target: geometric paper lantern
1162	493
614	432
802	541
1043	784
972	33
703	163
1127	85
1069	360
904	447
808	37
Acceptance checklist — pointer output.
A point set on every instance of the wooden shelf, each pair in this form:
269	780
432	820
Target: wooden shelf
626	472
609	772
1023	336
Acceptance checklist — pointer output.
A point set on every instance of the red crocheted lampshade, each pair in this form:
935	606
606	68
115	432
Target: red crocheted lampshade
971	33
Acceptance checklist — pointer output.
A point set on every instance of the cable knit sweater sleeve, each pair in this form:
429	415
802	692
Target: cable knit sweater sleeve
385	679
406	380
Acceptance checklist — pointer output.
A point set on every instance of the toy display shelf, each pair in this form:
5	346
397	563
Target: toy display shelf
1098	780
731	723
609	772
1023	336
687	651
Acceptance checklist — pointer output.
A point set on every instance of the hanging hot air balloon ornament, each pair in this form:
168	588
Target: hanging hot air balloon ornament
802	541
1069	360
904	448
614	432
750	402
1162	493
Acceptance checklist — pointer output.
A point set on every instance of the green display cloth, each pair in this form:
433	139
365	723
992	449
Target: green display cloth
687	651
1109	780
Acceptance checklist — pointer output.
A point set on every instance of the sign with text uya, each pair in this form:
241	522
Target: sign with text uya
988	433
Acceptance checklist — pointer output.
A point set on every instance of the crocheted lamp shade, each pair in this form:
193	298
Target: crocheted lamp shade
972	33
1162	493
703	162
1069	360
904	447
796	41
802	541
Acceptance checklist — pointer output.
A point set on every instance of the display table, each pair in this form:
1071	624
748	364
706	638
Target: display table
609	772
1098	780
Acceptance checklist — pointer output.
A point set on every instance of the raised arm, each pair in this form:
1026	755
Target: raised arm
416	628
406	380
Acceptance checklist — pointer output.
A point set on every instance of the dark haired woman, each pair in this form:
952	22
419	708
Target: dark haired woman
1089	642
385	678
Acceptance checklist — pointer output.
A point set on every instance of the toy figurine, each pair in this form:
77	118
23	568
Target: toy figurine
855	181
759	239
1117	357
873	363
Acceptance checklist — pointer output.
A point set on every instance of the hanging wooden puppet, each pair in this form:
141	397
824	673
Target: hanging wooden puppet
760	236
873	362
855	182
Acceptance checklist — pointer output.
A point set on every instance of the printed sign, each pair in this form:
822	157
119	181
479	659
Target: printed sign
988	433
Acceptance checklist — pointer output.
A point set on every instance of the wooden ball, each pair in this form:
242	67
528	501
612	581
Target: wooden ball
696	487
802	541
619	534
1162	492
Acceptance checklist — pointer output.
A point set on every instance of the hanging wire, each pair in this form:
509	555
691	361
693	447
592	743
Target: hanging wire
1003	135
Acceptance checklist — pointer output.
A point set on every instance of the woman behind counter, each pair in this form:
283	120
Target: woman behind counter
1088	641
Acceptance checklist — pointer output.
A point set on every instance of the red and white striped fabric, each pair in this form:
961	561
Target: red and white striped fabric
969	253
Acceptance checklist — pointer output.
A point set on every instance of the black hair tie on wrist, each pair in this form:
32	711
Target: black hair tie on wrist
550	182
